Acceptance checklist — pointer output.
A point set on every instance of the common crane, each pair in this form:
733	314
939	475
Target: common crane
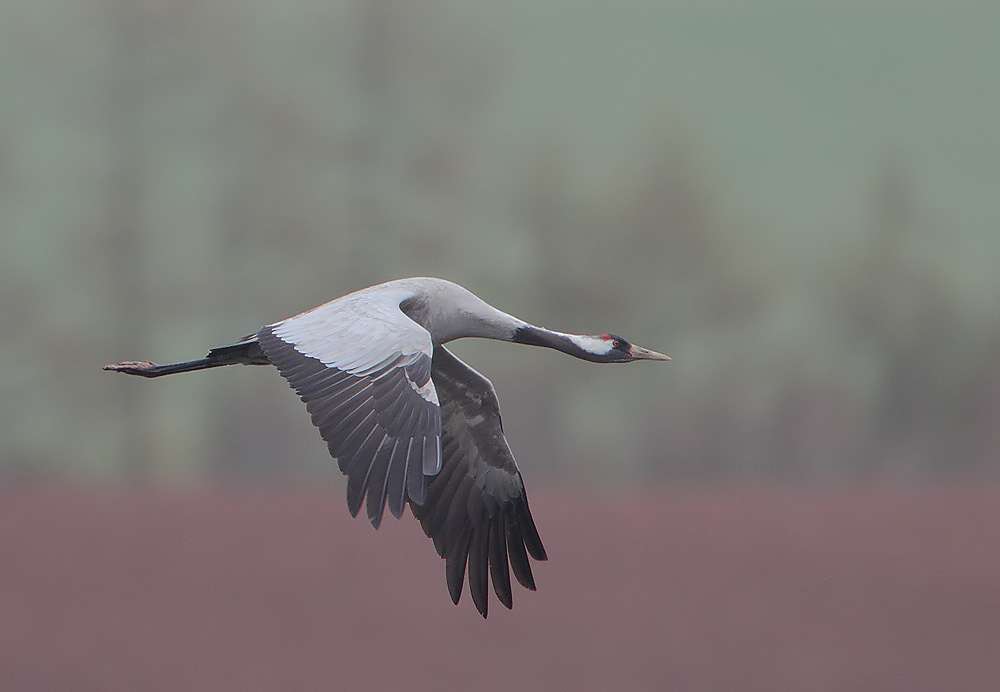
408	421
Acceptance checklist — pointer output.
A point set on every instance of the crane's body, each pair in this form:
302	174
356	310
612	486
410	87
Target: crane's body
408	422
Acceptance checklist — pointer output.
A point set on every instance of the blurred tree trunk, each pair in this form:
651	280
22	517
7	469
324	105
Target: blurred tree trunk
125	226
376	242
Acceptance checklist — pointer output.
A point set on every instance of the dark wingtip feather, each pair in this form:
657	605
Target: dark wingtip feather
416	482
342	462
439	544
518	557
458	552
499	567
355	496
479	571
532	541
417	493
396	482
377	484
375	517
396	509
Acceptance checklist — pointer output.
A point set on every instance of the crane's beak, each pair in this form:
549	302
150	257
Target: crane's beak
640	353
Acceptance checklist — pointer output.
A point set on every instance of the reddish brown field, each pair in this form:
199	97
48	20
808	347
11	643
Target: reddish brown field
769	590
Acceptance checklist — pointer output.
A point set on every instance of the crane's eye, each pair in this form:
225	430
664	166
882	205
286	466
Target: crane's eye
616	342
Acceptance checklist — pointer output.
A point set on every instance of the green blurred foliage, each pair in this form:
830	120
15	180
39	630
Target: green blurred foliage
797	200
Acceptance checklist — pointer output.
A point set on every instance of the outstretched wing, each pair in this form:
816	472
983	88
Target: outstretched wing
363	369
477	510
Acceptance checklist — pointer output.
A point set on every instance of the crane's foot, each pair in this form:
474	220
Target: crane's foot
143	368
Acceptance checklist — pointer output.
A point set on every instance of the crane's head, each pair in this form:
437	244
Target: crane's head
611	348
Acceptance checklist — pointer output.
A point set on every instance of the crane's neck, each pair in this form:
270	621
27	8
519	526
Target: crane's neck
503	327
449	311
590	348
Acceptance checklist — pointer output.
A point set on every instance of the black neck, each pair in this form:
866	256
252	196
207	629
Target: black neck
536	336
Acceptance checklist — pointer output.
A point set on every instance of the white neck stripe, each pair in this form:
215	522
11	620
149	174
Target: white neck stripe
592	344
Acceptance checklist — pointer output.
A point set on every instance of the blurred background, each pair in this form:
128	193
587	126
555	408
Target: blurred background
798	201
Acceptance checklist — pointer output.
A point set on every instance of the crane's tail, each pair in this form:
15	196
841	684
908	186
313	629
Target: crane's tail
246	352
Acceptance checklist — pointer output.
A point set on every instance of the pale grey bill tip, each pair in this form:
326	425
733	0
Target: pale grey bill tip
640	353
